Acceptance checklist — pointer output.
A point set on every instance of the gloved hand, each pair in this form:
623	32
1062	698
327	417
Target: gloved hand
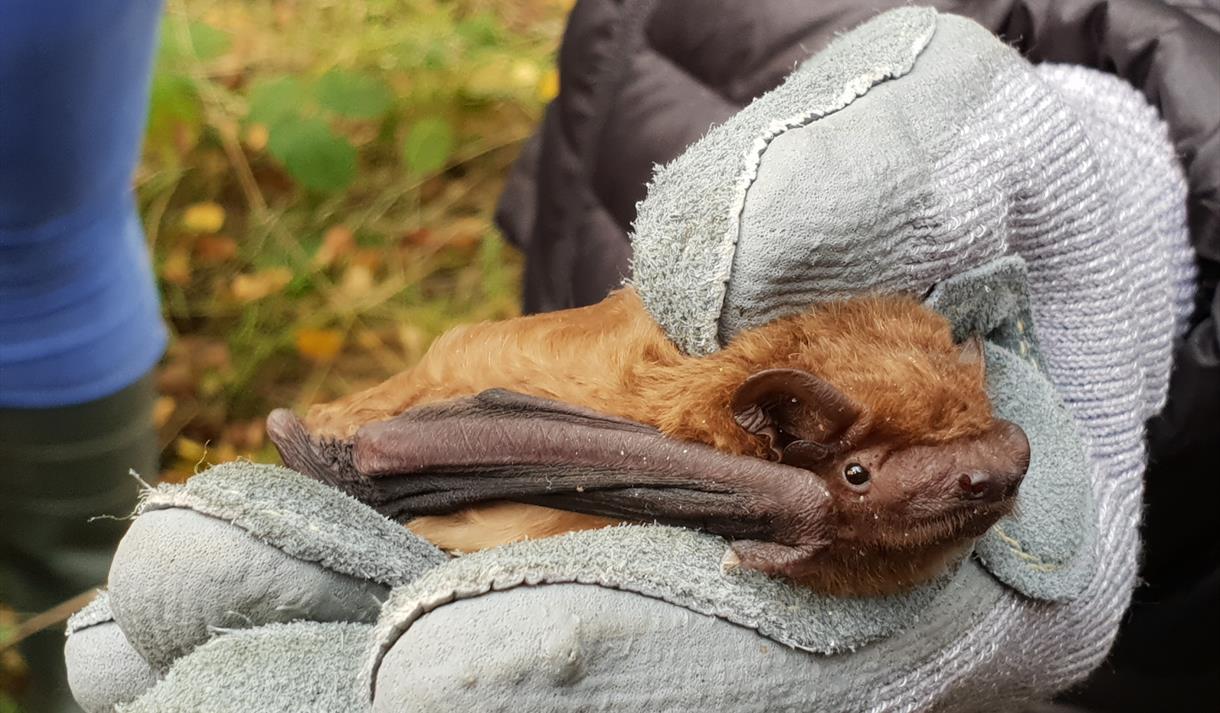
1042	208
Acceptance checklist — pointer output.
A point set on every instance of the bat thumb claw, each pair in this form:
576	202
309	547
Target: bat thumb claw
731	563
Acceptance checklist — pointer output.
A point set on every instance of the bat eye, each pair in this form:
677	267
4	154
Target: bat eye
857	476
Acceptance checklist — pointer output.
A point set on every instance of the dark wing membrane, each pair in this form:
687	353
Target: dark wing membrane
501	445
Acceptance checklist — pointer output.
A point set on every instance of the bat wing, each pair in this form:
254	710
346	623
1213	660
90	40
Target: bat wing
501	445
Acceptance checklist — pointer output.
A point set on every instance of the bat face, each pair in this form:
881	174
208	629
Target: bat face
911	456
922	495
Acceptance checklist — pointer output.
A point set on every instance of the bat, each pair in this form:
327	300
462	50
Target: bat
850	448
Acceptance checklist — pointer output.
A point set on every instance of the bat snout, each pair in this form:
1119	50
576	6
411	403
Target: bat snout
978	485
988	487
997	466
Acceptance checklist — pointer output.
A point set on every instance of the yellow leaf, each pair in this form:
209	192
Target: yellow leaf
205	217
524	74
190	450
319	344
338	241
548	85
357	281
223	453
413	340
176	268
163	408
368	340
248	288
489	77
256	137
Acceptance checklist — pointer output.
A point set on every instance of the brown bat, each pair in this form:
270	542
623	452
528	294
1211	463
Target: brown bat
850	448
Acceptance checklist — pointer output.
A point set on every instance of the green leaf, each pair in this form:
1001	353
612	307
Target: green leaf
370	239
175	116
209	42
315	156
172	97
428	146
302	284
169	46
205	42
276	100
353	95
480	30
496	279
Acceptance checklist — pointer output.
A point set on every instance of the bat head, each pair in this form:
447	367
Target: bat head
930	468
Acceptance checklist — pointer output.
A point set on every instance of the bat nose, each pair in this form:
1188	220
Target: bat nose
978	485
995	471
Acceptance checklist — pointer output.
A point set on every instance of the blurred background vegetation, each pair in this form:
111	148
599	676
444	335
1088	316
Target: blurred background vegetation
317	187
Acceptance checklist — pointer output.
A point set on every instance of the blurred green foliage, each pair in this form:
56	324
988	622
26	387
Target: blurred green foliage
317	186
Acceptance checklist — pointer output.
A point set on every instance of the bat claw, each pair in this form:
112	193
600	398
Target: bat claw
731	562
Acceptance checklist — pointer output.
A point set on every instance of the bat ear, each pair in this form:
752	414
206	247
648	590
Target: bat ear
788	405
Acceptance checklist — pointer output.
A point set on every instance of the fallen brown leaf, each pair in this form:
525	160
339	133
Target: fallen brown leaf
256	137
215	249
176	267
357	282
337	242
251	287
319	344
163	408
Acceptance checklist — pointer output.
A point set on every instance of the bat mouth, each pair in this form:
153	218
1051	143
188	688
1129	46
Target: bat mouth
969	519
964	522
980	519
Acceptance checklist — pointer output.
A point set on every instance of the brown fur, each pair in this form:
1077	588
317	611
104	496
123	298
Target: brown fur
888	353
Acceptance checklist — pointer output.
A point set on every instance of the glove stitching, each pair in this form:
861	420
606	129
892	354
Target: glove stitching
1036	561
